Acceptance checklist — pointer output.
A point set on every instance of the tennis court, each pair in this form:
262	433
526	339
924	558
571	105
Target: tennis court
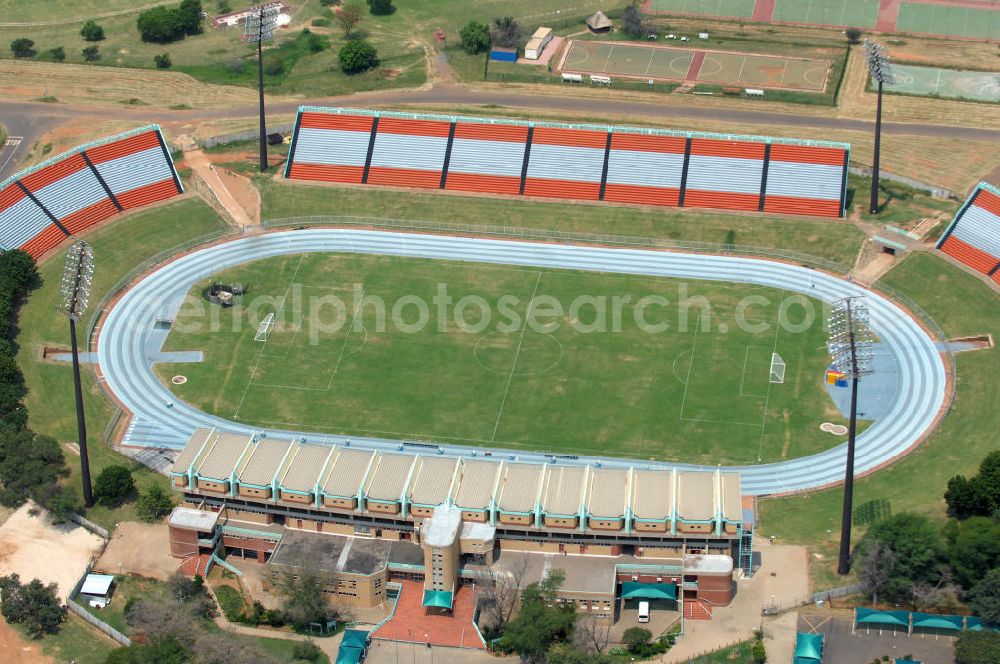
853	13
700	66
737	8
950	83
949	20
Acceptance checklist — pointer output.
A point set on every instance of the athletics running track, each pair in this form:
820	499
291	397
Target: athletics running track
158	420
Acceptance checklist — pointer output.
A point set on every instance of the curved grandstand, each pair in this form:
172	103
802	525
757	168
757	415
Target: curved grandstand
159	421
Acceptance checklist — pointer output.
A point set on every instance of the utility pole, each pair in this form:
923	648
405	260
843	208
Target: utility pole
850	346
258	27
78	274
880	69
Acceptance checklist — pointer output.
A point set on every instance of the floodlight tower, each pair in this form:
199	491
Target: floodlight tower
881	70
258	27
850	346
75	289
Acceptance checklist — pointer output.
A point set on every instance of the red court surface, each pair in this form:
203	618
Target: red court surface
414	624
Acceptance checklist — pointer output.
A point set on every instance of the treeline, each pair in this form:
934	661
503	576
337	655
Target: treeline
30	465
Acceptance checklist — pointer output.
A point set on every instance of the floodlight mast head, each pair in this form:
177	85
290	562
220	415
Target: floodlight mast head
78	275
879	65
260	23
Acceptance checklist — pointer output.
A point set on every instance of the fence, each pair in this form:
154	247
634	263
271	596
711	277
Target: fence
79	610
245	135
825	596
934	190
90	525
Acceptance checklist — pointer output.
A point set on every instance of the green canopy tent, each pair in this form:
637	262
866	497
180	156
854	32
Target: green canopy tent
899	660
808	648
934	623
881	619
636	590
352	648
437	599
974	624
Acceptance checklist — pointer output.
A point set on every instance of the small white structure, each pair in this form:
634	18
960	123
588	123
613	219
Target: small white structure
754	93
96	590
702	35
233	19
533	49
572	78
600	80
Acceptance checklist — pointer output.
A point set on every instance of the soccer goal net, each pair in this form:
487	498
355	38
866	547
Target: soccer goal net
265	326
777	369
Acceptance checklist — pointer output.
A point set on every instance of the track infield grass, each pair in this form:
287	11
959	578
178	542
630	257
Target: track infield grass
697	392
963	306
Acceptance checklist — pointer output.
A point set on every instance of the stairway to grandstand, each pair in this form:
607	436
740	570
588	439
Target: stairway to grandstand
195	565
696	609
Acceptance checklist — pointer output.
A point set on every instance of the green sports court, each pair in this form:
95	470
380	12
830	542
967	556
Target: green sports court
736	8
950	20
949	83
696	65
856	13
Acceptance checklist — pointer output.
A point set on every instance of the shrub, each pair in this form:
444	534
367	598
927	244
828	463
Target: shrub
357	56
23	48
114	485
273	64
91	31
380	7
91	53
635	638
306	650
159	25
163	61
320	22
153	504
475	37
57	54
853	35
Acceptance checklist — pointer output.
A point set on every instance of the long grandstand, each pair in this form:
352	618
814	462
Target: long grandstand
570	161
973	238
69	193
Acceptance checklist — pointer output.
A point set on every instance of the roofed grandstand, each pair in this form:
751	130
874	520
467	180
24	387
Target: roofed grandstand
71	192
973	238
581	162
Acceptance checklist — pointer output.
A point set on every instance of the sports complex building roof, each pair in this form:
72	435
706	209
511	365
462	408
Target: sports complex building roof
647	166
473	485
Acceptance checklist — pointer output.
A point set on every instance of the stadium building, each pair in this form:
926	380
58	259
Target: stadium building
370	517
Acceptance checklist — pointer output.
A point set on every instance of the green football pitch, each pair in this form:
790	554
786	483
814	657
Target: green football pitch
517	358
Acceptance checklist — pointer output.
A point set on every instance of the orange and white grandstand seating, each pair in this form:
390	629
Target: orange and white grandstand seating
581	162
69	193
973	238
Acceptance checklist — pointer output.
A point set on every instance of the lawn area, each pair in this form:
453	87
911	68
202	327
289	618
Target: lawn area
127	587
832	240
118	248
737	654
76	641
961	305
348	354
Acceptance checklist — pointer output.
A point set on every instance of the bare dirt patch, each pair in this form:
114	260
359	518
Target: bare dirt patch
16	649
140	549
35	549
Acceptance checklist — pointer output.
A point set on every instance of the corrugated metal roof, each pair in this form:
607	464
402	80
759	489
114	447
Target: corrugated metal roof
432	479
520	487
225	453
306	463
652	494
696	496
608	487
732	497
564	488
389	476
347	472
263	463
476	486
191	450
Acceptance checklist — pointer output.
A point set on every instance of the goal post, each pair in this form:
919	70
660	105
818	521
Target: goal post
264	329
777	369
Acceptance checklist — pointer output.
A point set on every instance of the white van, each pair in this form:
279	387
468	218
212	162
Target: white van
644	612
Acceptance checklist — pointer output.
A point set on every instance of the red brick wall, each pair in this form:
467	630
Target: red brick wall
715	589
183	542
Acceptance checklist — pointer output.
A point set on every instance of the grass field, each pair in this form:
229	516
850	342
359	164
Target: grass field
76	641
698	391
857	13
949	20
118	248
949	83
962	305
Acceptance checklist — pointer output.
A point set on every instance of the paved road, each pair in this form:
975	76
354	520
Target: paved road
27	125
160	420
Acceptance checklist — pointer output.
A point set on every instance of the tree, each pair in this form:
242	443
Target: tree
505	32
541	621
33	604
304	597
475	37
347	16
917	548
357	56
978	648
165	651
984	598
975	549
91	31
153	504
114	485
163	61
57	54
758	652
562	653
592	634
381	7
189	16
28	464
502	593
979	495
90	53
632	22
23	48
635	638
160	25
853	35
874	566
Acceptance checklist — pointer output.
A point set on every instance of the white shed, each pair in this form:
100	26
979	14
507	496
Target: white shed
96	590
533	49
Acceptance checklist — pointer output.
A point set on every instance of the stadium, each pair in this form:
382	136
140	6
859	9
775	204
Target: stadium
452	349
